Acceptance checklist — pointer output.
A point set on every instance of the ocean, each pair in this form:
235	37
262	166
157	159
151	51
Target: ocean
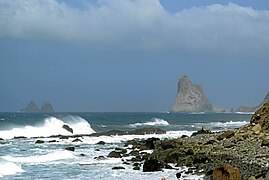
23	159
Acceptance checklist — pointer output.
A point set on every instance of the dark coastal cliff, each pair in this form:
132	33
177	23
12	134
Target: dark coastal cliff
253	109
32	108
191	98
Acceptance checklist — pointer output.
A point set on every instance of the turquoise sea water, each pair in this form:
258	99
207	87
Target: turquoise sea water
23	159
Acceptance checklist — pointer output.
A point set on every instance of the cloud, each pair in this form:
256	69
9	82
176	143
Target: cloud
139	24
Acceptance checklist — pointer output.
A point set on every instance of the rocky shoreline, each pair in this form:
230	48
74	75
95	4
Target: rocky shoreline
241	153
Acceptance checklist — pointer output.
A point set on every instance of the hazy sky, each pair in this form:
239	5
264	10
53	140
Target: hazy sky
127	55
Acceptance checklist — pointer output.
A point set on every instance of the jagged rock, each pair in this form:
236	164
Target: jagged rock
31	108
68	128
70	148
191	98
47	107
226	172
226	135
261	116
204	130
257	128
151	165
77	140
39	142
253	109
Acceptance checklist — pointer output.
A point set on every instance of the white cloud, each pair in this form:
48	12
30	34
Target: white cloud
139	24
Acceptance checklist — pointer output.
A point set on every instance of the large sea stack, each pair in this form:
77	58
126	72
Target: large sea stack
31	108
191	98
47	107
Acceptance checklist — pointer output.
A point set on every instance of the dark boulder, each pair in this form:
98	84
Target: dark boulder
151	165
69	129
52	141
118	168
114	154
136	168
101	143
120	150
20	137
200	158
100	158
226	172
204	130
150	142
71	148
226	135
1	139
39	142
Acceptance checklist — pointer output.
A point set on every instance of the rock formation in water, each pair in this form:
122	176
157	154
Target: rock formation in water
47	107
32	108
252	109
191	98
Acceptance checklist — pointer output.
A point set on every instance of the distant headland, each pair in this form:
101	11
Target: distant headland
252	109
32	108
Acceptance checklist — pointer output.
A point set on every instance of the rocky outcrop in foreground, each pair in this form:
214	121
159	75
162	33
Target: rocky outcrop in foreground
241	153
252	109
32	108
191	98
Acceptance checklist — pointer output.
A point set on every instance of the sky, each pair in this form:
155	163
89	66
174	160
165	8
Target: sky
128	55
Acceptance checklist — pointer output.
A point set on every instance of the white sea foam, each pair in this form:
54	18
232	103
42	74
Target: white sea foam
9	168
154	122
54	156
244	112
50	126
123	138
223	125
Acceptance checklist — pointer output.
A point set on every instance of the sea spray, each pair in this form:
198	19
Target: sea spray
9	168
50	126
153	122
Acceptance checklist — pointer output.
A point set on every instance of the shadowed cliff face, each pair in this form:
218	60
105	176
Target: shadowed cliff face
191	98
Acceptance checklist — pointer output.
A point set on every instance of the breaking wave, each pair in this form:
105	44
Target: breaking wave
9	168
54	156
222	125
50	126
154	122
